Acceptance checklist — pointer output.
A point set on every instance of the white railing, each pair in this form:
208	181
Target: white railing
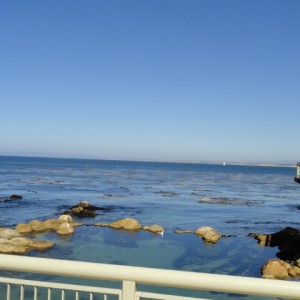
130	277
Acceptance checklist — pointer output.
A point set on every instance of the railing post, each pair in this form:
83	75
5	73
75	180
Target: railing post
128	290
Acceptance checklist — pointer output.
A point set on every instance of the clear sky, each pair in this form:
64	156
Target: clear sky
191	80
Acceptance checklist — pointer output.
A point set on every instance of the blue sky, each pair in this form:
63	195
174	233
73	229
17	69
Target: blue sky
190	80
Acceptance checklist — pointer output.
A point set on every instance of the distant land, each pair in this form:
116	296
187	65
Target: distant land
217	162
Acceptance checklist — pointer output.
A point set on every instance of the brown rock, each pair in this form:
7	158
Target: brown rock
127	223
208	234
37	225
65	228
51	224
8	233
154	228
23	228
277	269
41	245
65	219
23	241
13	248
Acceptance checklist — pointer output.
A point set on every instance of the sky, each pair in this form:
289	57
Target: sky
158	80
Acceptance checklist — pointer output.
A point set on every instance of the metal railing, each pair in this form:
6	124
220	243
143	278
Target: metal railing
130	278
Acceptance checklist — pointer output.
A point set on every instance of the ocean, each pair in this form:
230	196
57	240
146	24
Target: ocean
235	200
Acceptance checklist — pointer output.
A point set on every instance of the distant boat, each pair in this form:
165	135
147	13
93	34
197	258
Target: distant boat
224	164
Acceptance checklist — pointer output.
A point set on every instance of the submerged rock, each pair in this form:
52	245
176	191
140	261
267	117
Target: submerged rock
127	223
179	231
208	234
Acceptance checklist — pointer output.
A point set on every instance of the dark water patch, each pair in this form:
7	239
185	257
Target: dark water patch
229	201
111	196
167	194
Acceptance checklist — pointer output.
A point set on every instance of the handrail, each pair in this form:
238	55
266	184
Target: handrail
151	276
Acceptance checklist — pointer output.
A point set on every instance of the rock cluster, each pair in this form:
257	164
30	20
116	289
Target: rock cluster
279	269
63	225
11	241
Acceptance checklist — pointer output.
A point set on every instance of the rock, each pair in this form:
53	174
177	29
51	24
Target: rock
127	223
22	241
37	225
154	228
65	219
20	245
12	248
279	269
23	228
65	228
183	231
208	234
41	245
8	233
14	197
84	209
51	224
101	224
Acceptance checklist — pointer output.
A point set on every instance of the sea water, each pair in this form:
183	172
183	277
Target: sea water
235	200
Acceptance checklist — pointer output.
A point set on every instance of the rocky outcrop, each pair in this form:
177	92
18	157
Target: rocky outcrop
208	234
279	269
84	209
127	224
11	241
36	226
154	228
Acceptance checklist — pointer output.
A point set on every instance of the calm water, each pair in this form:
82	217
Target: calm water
235	200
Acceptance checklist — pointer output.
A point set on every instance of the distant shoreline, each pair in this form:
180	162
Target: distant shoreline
285	165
